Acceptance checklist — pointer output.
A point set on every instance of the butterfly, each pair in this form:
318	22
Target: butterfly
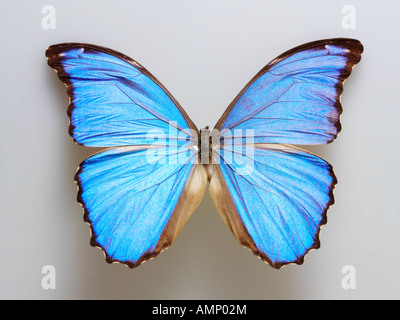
138	192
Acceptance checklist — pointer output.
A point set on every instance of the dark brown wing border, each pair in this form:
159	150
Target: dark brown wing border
354	56
54	59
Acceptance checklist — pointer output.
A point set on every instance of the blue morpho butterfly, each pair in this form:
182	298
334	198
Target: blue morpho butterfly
136	206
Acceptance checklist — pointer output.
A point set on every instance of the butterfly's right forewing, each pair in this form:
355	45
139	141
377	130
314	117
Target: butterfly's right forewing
295	99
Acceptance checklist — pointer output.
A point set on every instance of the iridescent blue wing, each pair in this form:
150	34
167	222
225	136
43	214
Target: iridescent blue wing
276	209
137	199
114	101
137	195
295	99
275	206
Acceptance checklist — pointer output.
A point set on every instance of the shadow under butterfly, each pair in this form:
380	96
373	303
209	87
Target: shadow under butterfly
139	192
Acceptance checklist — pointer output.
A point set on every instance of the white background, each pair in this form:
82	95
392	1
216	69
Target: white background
204	52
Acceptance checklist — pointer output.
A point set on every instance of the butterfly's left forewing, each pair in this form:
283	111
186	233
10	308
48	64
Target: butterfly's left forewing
114	101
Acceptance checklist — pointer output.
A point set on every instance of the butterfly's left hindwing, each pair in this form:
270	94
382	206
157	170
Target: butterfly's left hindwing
137	207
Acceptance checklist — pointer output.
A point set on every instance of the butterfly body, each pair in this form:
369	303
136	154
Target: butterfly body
138	193
205	146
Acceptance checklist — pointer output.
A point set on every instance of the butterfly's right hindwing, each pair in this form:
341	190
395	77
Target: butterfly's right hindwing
277	210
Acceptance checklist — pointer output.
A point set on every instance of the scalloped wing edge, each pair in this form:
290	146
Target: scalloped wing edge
189	200
227	209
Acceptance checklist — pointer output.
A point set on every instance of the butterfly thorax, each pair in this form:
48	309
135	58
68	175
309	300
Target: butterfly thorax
205	146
